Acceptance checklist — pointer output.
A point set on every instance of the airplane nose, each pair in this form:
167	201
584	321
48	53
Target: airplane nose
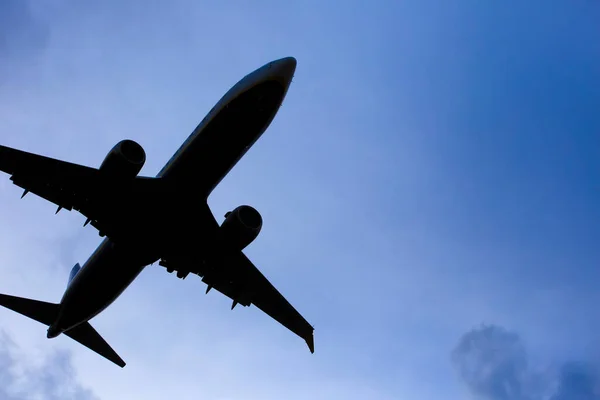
283	69
287	65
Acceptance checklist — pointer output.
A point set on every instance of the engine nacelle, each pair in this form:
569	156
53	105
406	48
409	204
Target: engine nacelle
125	160
241	226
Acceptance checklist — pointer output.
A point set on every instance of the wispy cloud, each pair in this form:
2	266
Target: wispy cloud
51	378
493	364
578	381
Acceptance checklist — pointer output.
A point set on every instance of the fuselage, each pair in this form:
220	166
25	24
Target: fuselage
209	153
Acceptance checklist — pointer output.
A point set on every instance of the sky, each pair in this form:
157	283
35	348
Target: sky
429	189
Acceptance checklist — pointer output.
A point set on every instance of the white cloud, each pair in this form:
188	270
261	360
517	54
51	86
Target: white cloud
45	378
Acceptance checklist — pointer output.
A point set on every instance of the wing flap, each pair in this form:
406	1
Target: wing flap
57	196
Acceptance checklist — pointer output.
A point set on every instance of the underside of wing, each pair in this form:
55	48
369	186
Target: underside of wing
71	186
268	299
238	278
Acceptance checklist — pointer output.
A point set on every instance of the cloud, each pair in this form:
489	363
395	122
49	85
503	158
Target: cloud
52	378
493	364
577	381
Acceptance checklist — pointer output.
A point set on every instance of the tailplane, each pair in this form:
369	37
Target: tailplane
40	311
87	336
46	313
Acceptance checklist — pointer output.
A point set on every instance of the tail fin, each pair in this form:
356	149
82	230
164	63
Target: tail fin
73	272
46	313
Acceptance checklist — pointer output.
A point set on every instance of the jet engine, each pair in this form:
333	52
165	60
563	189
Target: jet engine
241	226
125	160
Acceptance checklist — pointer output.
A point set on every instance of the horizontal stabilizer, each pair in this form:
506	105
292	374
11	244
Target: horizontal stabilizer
38	310
46	313
87	336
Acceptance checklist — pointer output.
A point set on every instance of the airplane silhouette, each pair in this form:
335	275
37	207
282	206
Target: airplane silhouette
165	218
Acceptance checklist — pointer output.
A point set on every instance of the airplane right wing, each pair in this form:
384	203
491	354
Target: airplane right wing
267	298
237	278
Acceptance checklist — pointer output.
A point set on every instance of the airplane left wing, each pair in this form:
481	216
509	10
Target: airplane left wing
69	186
238	278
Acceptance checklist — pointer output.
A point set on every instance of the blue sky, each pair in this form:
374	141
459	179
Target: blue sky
430	192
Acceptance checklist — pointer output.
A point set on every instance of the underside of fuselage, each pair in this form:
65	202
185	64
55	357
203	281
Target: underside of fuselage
106	274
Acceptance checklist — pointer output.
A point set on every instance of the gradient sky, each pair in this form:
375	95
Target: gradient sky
430	190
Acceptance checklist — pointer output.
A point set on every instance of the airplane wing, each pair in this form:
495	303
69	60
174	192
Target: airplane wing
238	279
69	186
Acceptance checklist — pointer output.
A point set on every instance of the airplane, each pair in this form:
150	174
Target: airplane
165	218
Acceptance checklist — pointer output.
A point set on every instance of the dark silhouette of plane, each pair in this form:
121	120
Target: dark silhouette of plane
165	218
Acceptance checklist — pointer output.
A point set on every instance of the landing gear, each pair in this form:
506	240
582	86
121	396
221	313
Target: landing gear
180	274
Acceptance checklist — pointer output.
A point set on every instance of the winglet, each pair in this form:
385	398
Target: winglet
310	341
